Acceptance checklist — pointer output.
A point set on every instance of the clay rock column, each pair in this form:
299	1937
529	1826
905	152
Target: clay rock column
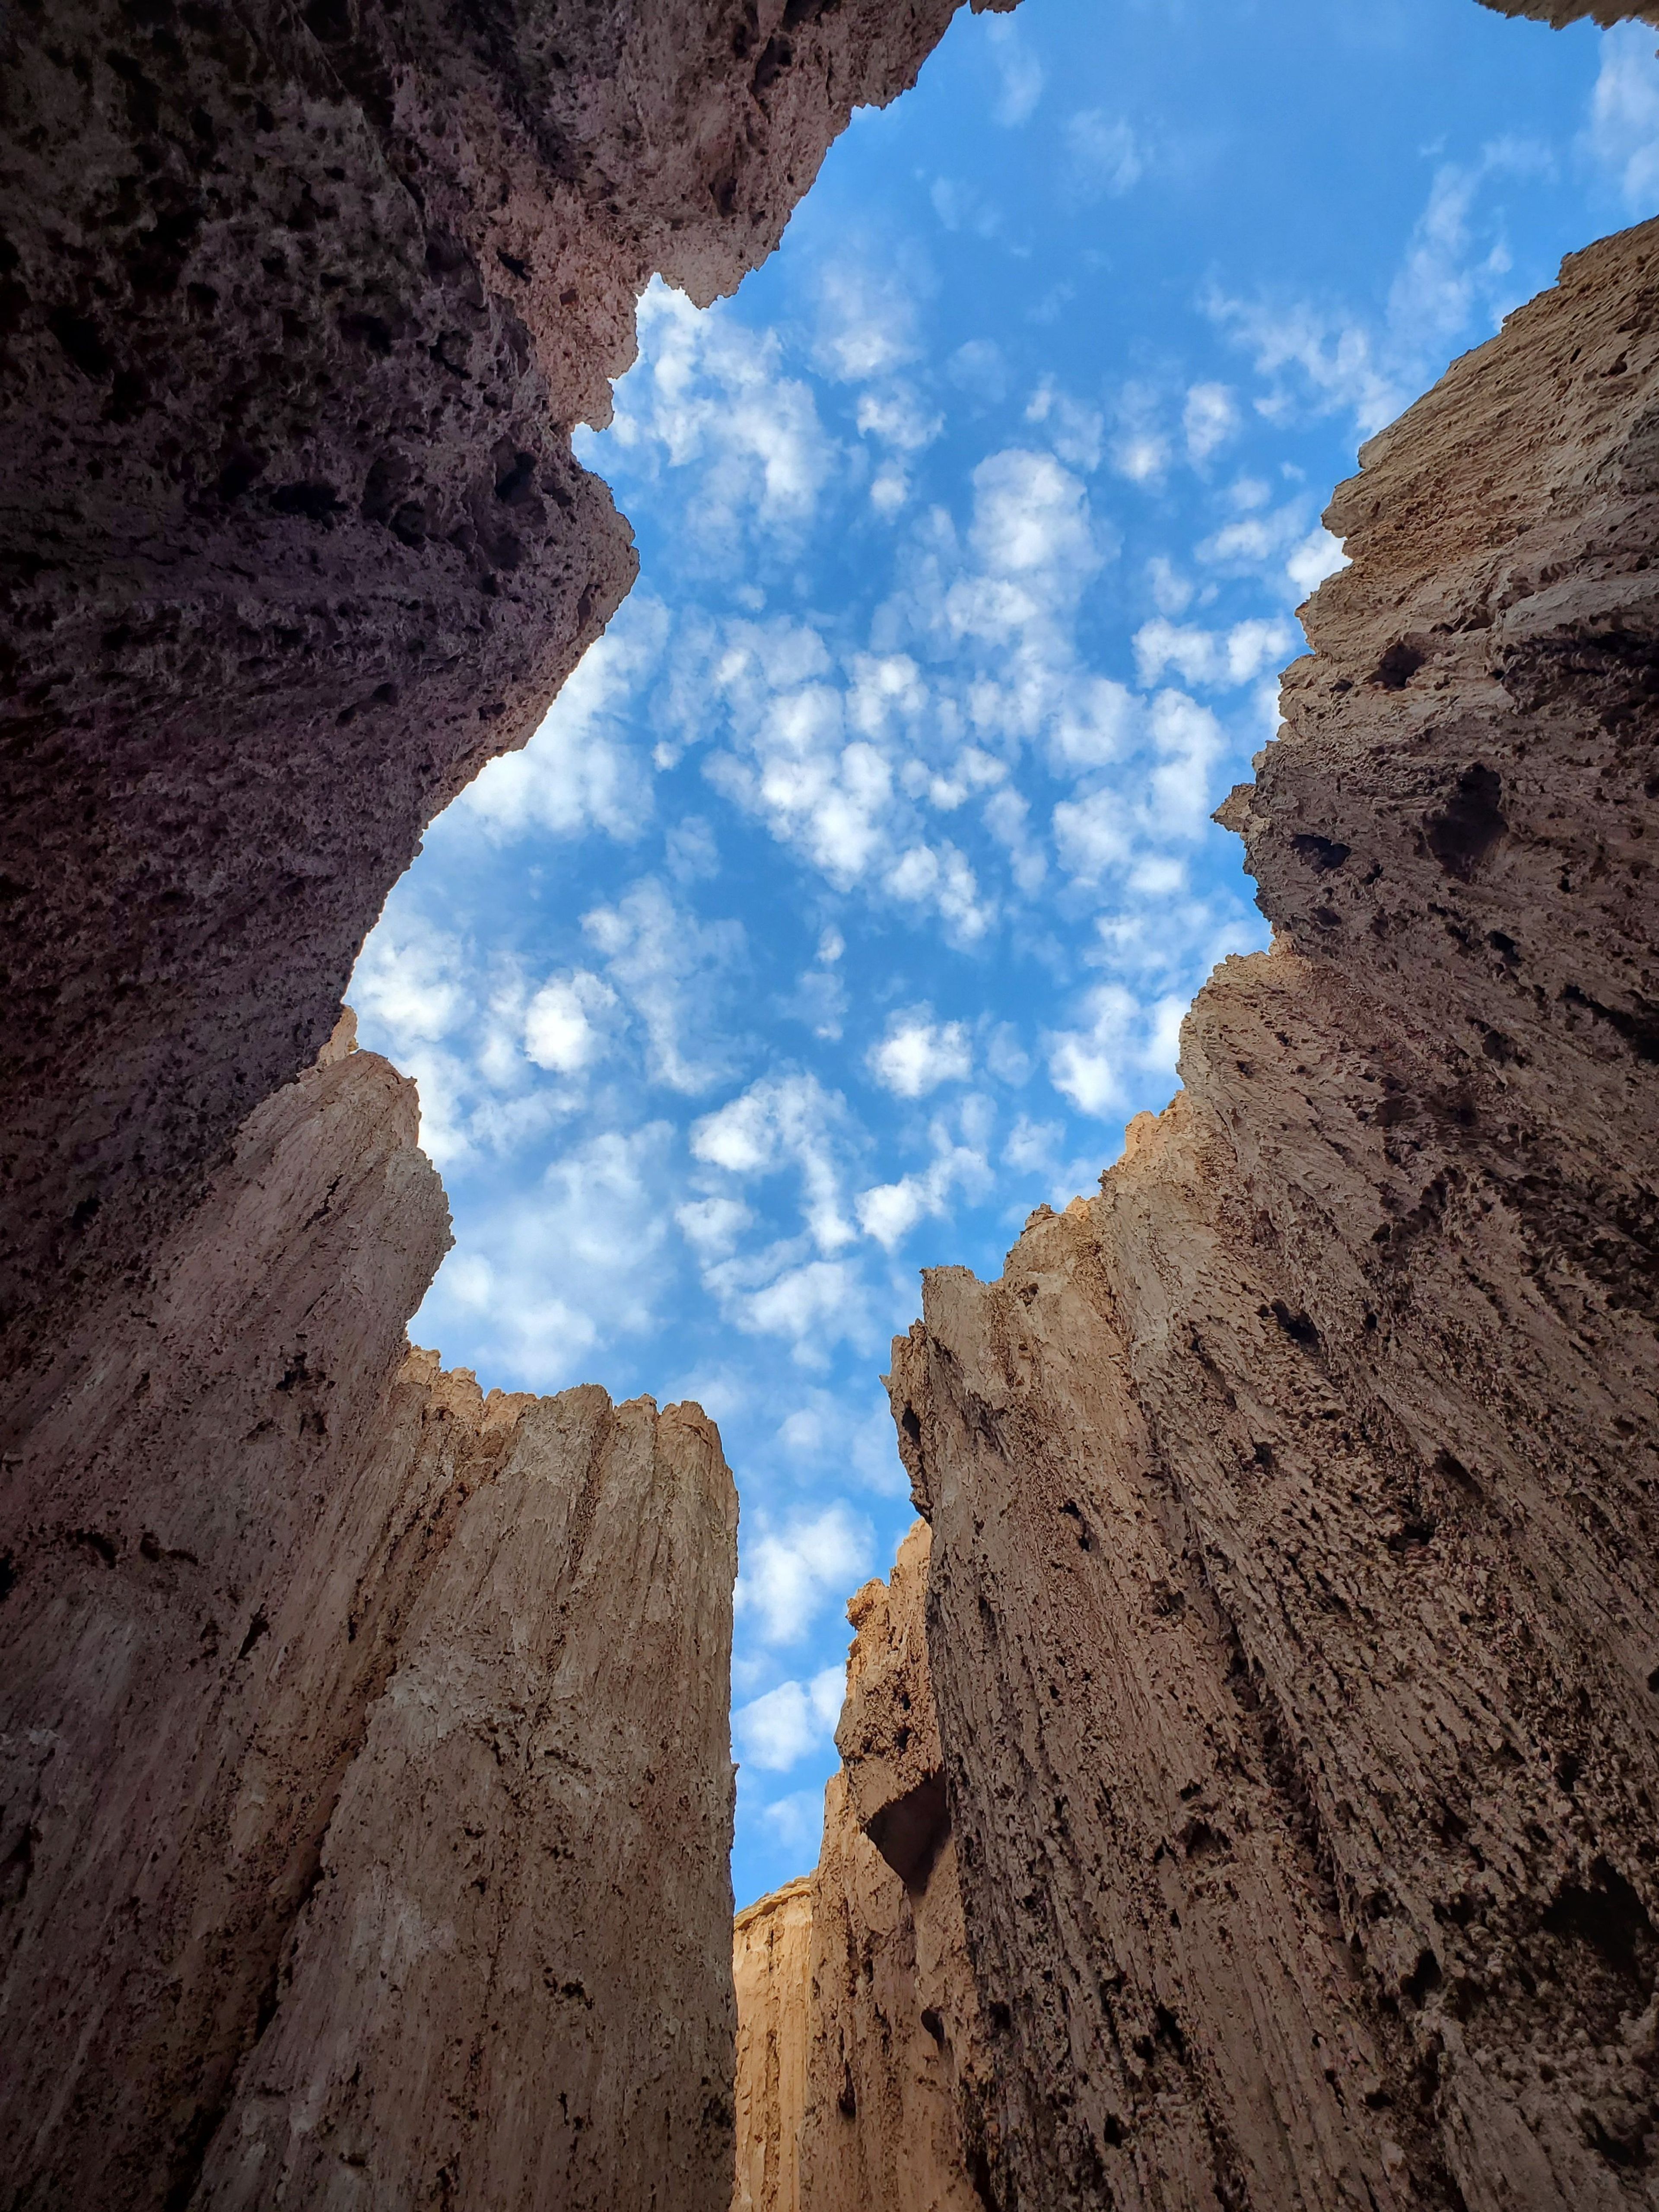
503	1993
365	1786
771	1968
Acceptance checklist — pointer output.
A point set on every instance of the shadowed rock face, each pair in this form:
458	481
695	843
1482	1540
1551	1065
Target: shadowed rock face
1563	12
298	307
1292	1618
363	1746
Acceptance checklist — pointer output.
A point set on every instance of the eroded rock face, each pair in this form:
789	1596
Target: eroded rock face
772	1972
858	2044
1292	1619
1563	12
363	1753
298	307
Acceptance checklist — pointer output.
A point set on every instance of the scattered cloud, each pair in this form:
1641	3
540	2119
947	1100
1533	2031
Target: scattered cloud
917	1054
790	1572
776	1731
1622	134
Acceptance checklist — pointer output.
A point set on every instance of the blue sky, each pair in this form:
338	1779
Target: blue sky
848	899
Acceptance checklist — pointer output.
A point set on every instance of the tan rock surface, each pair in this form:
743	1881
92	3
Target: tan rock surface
1293	1621
771	1970
304	1765
857	2036
896	2104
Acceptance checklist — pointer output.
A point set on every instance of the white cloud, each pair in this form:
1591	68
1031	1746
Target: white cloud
1209	419
1226	660
866	322
1623	132
1029	513
580	771
1094	1066
1106	156
1318	555
1020	73
789	1573
709	396
564	1022
1320	357
665	964
917	1054
565	1264
776	1731
979	368
1074	430
780	1121
797	1820
411	981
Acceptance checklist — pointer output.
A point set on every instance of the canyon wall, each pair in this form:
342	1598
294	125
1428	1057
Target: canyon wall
343	1716
1292	1616
859	2040
298	308
1292	1658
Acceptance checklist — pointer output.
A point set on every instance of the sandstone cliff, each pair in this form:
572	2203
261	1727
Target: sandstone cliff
298	307
343	1715
1292	1616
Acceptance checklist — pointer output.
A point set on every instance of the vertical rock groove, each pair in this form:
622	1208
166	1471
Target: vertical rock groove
344	1715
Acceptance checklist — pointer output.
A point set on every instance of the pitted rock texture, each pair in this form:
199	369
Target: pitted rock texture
1293	1616
1563	12
859	2041
298	307
336	1702
771	1971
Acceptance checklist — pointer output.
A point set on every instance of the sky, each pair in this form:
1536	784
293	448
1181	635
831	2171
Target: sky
849	898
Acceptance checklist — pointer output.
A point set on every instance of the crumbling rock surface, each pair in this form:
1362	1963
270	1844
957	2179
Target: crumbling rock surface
1292	1616
859	2038
363	1755
771	1971
298	307
1563	12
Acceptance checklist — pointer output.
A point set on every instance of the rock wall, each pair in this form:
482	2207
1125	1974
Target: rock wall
859	2041
298	307
1292	1615
771	1970
363	1751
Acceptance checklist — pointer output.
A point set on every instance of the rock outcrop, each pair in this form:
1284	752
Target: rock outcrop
771	1971
298	307
1292	1619
1292	1626
857	2039
1560	12
363	1745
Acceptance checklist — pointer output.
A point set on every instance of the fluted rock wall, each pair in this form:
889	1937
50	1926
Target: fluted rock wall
363	1752
858	2042
772	1972
298	307
1293	1619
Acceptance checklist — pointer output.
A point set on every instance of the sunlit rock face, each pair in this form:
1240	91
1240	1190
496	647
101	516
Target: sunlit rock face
298	307
1292	1615
859	2050
363	1741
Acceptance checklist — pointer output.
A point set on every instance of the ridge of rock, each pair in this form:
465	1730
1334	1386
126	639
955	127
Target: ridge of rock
363	1741
298	308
